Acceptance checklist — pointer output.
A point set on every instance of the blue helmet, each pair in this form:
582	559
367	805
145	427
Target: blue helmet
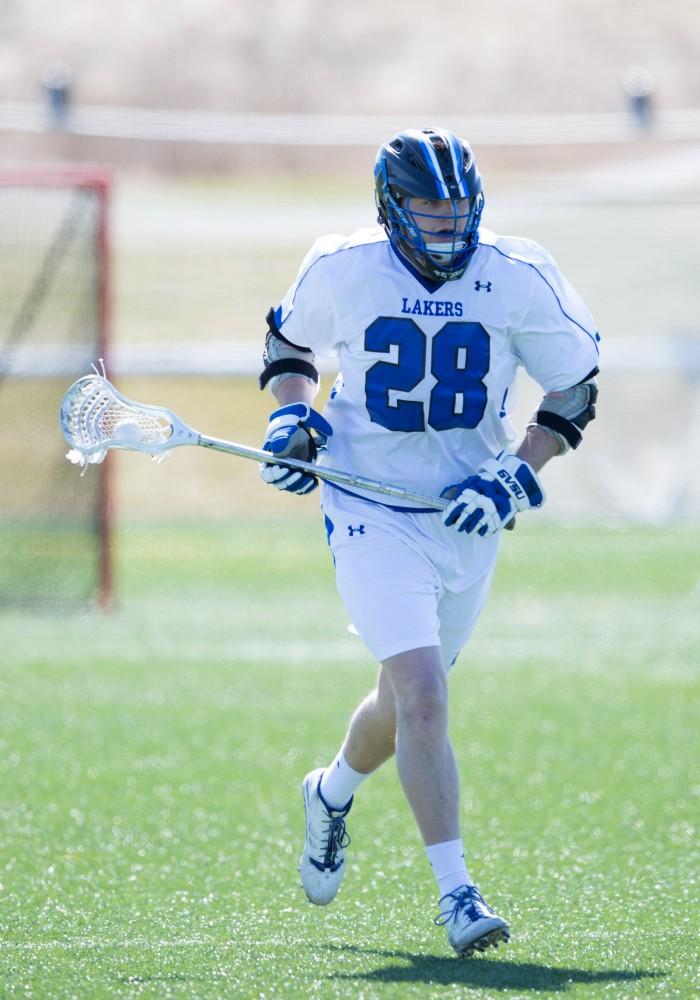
433	165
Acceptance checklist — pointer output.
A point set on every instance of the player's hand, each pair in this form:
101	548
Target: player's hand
294	431
489	500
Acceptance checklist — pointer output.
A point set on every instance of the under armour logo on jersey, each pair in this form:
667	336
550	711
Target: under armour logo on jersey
359	530
478	285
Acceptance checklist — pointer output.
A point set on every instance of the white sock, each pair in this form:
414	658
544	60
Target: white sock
340	782
449	866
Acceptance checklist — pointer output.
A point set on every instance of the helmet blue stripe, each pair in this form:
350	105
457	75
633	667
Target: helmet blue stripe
432	160
457	162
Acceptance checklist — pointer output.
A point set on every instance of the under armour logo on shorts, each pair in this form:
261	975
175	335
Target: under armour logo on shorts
359	530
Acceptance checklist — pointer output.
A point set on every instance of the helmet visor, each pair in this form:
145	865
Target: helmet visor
441	229
437	235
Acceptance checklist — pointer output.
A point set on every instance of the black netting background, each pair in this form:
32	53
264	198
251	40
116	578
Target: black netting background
49	333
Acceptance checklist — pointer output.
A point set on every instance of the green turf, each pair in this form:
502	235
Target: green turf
150	763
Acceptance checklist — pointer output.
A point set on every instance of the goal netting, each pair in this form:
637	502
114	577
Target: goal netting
54	306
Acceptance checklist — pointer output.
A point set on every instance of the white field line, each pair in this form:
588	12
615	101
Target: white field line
296	652
264	650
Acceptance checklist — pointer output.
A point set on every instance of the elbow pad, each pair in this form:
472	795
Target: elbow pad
565	414
282	359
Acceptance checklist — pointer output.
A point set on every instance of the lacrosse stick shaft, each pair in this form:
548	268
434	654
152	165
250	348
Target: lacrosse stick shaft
348	479
96	417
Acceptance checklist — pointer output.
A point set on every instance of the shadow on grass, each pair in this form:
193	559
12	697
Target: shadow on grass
486	972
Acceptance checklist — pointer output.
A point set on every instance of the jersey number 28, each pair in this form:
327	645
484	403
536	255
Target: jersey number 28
460	358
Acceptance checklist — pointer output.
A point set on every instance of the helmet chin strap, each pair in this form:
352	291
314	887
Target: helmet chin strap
445	249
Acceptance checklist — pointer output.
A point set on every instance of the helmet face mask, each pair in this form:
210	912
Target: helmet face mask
429	201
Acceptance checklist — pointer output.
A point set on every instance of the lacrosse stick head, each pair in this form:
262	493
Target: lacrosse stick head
95	418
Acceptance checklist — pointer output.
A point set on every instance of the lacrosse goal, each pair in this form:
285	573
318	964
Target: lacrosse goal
54	322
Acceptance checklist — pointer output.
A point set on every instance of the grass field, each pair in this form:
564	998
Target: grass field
151	758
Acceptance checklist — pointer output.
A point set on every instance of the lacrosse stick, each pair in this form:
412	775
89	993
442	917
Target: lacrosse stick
95	418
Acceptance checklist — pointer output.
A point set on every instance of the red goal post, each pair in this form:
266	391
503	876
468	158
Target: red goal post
55	308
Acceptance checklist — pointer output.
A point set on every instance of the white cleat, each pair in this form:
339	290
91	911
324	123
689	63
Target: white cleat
471	923
322	863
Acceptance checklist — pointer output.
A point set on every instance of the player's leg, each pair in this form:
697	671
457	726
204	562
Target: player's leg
470	922
430	780
328	792
371	735
369	560
424	758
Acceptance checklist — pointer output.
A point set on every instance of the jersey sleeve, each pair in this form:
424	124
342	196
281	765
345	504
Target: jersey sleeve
307	315
556	338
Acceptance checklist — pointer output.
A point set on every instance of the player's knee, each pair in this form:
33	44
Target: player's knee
427	704
422	697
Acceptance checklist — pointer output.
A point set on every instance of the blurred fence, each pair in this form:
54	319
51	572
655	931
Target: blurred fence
190	126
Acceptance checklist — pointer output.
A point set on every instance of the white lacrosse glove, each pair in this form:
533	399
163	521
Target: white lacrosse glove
490	499
294	431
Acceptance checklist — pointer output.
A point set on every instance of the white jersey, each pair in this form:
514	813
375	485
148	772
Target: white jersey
422	397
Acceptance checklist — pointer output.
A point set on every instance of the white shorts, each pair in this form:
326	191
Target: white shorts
406	580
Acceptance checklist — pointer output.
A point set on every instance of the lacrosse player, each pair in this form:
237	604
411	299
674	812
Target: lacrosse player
429	317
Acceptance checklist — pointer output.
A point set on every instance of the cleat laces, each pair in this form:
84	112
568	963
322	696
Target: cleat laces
337	837
466	898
